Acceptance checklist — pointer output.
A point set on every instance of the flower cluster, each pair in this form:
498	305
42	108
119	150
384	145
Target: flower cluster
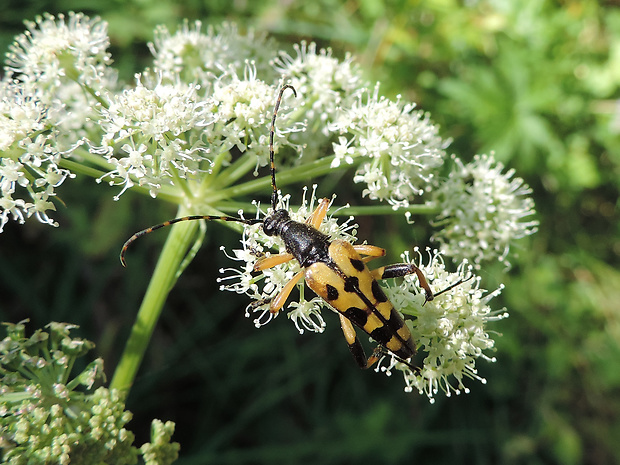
53	49
29	169
63	63
402	147
450	330
46	419
191	55
482	211
143	118
326	83
195	127
46	109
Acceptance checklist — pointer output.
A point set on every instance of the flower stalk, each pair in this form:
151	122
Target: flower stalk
178	242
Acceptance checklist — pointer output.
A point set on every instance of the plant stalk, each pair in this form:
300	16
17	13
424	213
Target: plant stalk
164	276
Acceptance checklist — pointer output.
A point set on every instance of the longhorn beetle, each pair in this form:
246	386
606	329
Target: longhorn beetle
335	270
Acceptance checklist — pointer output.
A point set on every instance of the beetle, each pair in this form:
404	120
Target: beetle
335	270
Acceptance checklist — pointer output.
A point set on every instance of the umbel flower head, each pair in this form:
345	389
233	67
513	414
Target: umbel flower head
195	127
450	329
56	48
191	128
47	419
400	148
47	101
194	55
483	211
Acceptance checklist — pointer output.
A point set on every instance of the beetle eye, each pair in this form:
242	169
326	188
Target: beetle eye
268	226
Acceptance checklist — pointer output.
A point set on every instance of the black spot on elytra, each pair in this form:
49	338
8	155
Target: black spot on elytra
357	315
406	351
332	292
378	293
396	321
351	284
357	264
382	335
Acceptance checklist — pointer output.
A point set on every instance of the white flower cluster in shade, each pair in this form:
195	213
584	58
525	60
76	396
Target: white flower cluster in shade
194	55
483	211
208	97
29	163
44	112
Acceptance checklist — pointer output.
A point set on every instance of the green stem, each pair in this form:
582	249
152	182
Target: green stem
218	162
178	242
235	171
303	172
80	168
97	96
84	155
366	210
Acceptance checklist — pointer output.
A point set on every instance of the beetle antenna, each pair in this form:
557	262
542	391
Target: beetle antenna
381	351
146	231
272	132
449	288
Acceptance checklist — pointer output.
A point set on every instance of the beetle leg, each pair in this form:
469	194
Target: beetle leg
392	271
318	215
358	351
403	269
278	301
265	263
371	250
355	346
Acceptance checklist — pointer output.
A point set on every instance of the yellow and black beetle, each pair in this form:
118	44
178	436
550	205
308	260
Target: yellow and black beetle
335	270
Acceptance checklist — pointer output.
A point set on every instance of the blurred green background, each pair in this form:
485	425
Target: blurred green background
536	81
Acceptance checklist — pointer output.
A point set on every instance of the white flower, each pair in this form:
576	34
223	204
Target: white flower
14	207
195	56
450	330
324	84
402	147
57	48
151	125
324	81
307	316
482	211
21	114
29	169
244	108
63	63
